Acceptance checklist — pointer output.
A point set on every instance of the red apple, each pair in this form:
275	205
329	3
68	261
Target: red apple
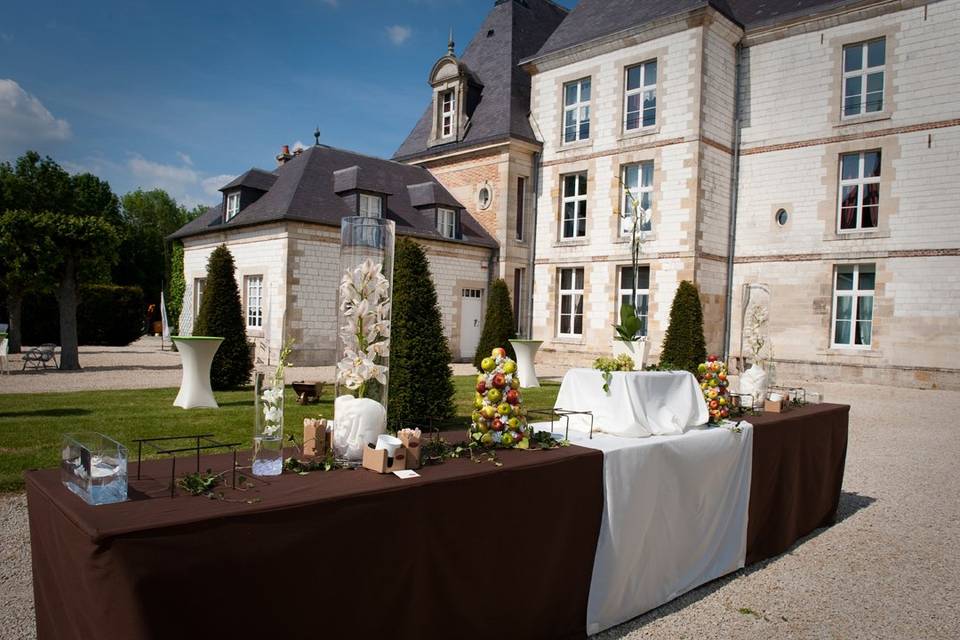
499	380
714	404
711	358
499	352
481	387
497	425
513	397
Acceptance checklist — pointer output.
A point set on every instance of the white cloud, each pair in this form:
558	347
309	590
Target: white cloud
185	159
398	33
188	186
211	186
298	145
25	122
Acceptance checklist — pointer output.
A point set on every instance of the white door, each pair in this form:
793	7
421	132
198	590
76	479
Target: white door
471	322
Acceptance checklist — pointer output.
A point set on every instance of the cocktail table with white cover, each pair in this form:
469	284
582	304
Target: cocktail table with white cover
639	403
196	358
526	351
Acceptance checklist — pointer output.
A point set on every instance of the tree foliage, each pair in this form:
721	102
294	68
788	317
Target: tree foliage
221	315
499	326
178	286
684	346
421	382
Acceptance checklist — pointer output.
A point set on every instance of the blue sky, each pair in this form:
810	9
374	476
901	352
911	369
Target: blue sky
184	95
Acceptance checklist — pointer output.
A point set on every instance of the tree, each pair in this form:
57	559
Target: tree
684	346
221	315
27	252
178	286
498	324
421	382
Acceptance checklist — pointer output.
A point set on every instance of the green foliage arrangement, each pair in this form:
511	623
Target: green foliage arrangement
421	381
630	324
684	345
221	315
499	326
177	286
607	366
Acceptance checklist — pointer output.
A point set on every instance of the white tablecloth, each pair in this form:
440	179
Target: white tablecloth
674	517
639	404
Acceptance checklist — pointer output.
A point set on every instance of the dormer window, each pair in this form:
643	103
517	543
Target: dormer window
233	205
447	222
370	206
448	106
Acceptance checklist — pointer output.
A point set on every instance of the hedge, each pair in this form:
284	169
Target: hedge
108	315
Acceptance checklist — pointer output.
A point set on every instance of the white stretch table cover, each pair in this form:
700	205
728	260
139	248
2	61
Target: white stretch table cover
196	358
639	404
674	518
526	351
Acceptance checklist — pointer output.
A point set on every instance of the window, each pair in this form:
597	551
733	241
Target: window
640	102
571	302
233	205
863	77
371	206
859	190
199	284
448	105
253	285
576	110
574	206
520	299
643	294
638	181
447	223
484	197
853	305
521	201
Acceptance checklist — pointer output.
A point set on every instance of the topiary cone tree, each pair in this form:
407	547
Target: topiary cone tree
421	381
498	324
221	315
684	346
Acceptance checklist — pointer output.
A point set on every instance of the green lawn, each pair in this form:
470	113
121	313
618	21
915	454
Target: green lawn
31	425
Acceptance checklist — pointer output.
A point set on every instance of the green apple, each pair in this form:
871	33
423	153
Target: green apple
481	377
488	364
488	412
487	438
509	366
507	440
504	409
514	423
494	396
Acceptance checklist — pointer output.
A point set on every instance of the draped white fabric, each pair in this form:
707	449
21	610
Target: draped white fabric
674	518
639	404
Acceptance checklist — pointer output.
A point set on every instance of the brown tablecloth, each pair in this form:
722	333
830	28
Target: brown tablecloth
468	550
798	461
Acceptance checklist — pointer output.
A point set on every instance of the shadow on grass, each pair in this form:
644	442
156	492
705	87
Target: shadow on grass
47	413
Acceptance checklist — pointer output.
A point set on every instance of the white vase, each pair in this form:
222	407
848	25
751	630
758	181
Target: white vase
753	382
358	422
636	349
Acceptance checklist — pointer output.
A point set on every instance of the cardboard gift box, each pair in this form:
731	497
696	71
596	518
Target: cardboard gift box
377	460
412	446
317	441
776	407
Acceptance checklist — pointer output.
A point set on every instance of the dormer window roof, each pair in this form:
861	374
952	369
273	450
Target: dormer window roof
233	205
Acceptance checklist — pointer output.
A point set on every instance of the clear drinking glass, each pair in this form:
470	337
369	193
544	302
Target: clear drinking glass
268	425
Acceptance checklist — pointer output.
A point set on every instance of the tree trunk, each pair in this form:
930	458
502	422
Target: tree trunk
67	300
14	333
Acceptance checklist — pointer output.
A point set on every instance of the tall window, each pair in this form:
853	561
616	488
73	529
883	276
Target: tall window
520	298
448	105
640	102
643	293
863	77
521	209
638	181
853	305
571	302
254	289
233	205
371	206
199	284
447	222
576	110
859	190
574	206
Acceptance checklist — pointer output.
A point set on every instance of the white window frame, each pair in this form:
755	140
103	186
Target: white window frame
580	109
576	198
448	109
370	206
863	73
627	293
253	306
233	205
521	226
626	224
857	294
447	222
575	294
199	284
644	88
860	183
520	299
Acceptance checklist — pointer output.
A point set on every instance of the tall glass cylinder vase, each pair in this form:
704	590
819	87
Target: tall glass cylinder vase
268	425
363	323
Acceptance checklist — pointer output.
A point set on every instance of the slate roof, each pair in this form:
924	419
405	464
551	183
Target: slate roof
592	19
512	31
255	179
304	191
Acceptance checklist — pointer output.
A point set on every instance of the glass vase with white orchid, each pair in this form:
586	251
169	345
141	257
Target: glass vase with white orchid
268	423
365	308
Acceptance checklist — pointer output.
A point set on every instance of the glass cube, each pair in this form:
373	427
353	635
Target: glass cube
94	467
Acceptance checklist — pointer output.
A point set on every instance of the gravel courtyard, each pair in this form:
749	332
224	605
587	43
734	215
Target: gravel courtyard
888	569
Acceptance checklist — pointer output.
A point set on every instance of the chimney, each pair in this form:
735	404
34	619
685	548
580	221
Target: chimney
284	155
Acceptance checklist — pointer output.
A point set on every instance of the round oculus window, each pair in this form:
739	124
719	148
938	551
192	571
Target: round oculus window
782	216
485	196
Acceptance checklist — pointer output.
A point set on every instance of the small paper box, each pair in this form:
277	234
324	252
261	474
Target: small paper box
775	407
412	446
316	439
376	460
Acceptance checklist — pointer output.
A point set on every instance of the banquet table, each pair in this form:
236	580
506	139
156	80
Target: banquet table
639	403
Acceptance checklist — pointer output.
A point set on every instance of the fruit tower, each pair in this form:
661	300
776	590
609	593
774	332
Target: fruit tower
713	382
499	418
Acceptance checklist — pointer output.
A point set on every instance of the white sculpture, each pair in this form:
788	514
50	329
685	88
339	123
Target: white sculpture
359	421
753	382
